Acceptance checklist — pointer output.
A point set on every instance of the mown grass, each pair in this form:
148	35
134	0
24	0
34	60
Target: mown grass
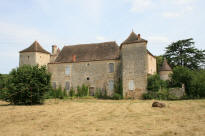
81	117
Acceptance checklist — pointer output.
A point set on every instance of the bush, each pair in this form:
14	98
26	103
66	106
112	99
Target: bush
27	85
194	81
71	92
159	95
3	80
117	96
82	91
154	83
56	93
197	86
118	88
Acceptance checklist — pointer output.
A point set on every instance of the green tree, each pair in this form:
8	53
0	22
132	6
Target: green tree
27	85
3	80
194	81
159	62
183	53
154	83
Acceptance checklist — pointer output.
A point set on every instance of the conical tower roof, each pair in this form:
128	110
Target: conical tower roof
35	47
165	66
133	38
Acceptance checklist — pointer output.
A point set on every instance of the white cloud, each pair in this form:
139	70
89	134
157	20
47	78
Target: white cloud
23	35
141	5
175	14
183	2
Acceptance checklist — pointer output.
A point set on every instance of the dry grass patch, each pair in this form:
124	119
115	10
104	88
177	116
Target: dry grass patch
103	117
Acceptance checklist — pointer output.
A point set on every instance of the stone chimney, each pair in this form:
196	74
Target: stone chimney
73	58
54	49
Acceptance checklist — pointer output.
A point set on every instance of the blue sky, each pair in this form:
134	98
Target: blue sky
67	22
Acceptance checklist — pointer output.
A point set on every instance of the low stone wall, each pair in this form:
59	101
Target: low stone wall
177	92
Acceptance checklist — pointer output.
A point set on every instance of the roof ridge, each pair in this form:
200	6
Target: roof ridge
91	43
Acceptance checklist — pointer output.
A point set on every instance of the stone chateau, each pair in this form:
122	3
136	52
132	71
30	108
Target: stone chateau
98	65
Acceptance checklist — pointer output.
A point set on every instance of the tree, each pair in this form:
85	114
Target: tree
194	81
183	53
159	62
27	85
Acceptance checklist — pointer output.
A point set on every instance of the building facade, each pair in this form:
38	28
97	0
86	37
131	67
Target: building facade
97	65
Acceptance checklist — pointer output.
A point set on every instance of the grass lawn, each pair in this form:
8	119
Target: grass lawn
91	117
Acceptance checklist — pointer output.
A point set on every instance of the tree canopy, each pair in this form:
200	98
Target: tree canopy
184	53
26	85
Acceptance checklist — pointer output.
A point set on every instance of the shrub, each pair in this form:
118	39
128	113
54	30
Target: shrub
154	83
3	80
118	88
159	95
27	85
197	85
82	91
117	96
71	92
194	81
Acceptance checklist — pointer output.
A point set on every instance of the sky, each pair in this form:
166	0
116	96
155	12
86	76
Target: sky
70	22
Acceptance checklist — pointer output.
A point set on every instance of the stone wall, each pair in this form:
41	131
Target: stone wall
95	74
42	58
152	65
34	58
28	58
134	69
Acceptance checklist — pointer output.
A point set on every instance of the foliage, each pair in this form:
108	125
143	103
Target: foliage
82	91
118	89
71	92
183	53
56	93
159	95
27	85
117	96
197	87
3	80
159	60
101	94
194	81
154	83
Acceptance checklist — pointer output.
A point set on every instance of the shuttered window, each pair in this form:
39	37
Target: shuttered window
111	67
67	85
131	85
67	70
111	85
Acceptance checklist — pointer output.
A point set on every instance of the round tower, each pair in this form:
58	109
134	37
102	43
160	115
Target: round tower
165	70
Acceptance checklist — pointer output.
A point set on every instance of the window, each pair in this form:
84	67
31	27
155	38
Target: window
67	85
54	85
28	57
67	70
131	85
111	85
111	67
